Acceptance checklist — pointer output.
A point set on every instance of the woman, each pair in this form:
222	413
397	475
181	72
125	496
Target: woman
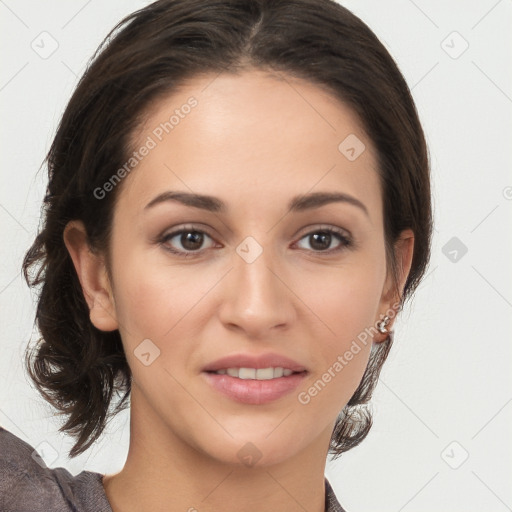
238	206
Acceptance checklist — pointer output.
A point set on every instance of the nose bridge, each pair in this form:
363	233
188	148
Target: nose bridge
256	298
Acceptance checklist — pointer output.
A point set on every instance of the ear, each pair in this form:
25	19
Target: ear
92	273
393	291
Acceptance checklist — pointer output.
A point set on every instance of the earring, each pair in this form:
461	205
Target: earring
382	325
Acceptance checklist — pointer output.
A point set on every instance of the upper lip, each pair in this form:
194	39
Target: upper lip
254	361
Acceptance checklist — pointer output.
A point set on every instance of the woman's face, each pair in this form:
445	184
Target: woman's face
255	272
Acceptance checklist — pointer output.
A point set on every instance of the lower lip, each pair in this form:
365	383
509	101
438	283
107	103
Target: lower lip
251	391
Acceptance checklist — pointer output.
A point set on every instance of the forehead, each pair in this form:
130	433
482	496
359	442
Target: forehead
240	136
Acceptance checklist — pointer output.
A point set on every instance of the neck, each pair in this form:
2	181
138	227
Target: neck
163	471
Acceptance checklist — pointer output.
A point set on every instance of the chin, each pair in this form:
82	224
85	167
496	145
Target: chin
253	448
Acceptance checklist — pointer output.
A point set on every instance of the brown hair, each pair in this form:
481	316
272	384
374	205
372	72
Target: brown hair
78	368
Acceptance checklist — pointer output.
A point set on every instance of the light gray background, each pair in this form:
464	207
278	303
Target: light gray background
445	391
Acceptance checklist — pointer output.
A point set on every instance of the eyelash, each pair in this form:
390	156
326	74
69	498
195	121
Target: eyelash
346	242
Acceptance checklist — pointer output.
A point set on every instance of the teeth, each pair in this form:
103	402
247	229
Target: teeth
247	373
262	373
256	374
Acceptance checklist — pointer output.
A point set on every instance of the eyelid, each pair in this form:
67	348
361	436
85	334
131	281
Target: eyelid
313	228
184	227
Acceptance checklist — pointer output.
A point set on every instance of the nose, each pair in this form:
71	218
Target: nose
256	297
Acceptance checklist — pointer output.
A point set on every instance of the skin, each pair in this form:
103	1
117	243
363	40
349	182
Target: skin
254	141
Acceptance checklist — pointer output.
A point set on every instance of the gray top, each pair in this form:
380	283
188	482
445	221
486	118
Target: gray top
28	485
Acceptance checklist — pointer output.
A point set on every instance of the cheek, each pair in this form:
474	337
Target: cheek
152	300
157	304
345	299
344	303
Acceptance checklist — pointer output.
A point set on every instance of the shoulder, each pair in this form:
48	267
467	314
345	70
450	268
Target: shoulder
28	485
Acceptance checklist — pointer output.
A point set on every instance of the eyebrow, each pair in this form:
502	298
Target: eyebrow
297	204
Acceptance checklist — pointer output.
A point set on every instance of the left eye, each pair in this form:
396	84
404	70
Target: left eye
320	240
190	240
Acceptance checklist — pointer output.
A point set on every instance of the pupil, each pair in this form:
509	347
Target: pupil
325	240
191	240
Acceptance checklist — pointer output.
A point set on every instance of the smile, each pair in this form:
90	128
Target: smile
256	373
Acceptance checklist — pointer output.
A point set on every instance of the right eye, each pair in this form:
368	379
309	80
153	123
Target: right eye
190	239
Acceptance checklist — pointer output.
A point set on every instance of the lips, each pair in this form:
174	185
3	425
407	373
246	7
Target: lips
268	360
245	378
